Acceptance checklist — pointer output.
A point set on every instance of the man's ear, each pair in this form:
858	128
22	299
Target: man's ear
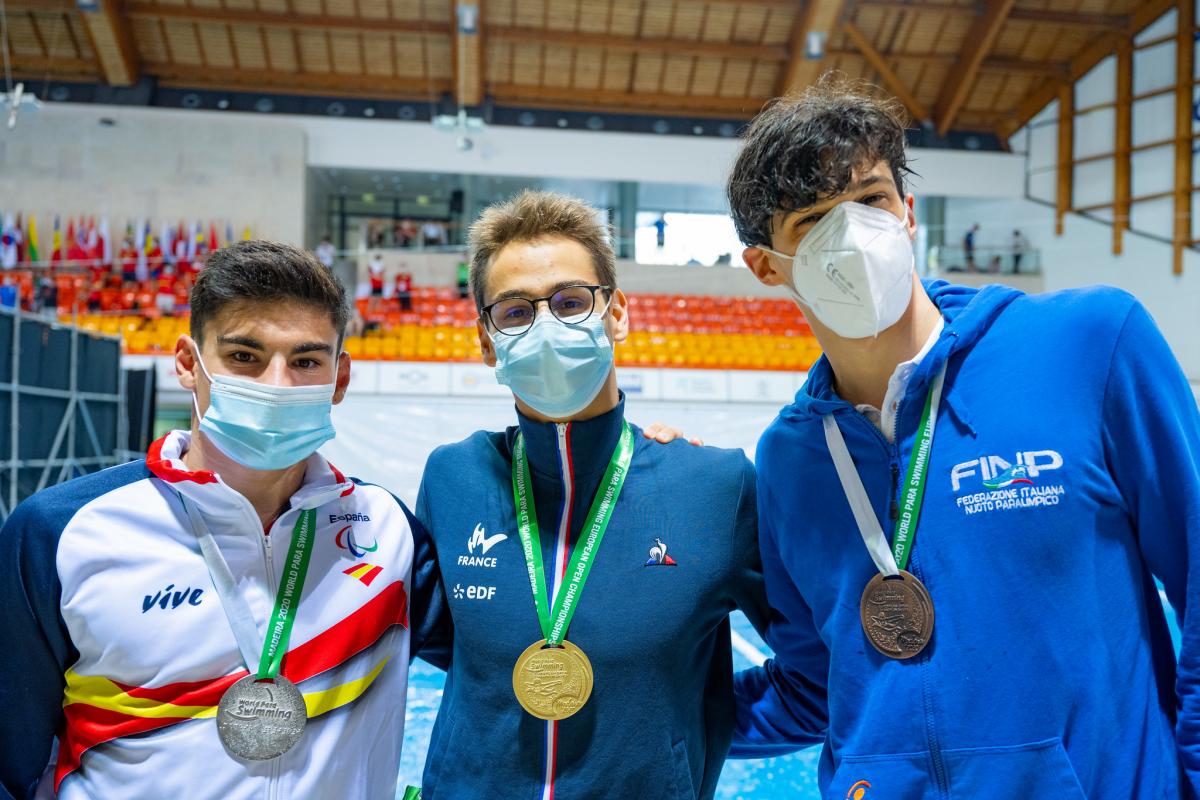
186	363
910	216
618	311
486	348
759	262
343	377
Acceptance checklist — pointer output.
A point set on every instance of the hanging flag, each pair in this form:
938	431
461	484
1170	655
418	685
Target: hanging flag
106	250
165	241
212	237
228	231
194	238
20	240
8	242
246	234
31	252
142	245
56	252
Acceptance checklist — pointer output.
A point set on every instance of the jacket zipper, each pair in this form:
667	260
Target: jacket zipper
562	429
931	737
272	587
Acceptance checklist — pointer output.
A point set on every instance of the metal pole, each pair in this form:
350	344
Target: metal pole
14	418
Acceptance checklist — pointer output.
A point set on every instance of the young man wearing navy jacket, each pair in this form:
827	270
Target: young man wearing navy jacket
1002	637
623	688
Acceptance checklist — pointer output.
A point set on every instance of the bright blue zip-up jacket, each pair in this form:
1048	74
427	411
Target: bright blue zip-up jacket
1065	477
679	554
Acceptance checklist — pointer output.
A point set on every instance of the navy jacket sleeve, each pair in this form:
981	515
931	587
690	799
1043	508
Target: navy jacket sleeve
777	708
1151	433
35	645
433	636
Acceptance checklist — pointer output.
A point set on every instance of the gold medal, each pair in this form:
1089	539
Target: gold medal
897	615
552	682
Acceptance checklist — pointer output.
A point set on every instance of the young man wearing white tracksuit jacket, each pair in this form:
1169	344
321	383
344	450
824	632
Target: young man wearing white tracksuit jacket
230	617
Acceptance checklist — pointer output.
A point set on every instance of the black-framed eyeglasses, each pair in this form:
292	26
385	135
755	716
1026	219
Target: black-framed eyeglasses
514	316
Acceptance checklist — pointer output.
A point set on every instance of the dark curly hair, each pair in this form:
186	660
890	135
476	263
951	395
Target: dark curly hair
805	147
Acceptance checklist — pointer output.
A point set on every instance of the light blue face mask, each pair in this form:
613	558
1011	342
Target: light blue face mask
262	426
555	368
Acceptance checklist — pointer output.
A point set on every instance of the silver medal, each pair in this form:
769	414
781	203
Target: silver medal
261	719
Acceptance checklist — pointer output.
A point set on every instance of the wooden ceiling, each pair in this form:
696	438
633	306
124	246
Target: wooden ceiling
979	65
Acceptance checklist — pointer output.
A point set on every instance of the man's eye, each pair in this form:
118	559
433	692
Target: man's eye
242	357
307	363
873	199
811	219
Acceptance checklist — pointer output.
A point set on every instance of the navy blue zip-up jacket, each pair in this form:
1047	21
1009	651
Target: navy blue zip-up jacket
1065	473
680	553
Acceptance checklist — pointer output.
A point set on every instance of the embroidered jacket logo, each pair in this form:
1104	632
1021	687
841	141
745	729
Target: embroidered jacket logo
658	555
482	542
345	541
858	791
1006	485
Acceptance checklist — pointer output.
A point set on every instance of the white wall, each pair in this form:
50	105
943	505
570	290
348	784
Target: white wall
1082	256
158	164
388	145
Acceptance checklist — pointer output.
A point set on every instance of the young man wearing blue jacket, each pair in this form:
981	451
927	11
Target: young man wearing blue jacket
623	688
977	607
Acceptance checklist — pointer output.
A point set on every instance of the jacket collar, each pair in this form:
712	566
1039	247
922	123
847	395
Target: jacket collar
968	313
587	444
322	483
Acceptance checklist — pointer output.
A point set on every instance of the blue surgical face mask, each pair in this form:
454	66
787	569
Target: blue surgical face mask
266	427
555	368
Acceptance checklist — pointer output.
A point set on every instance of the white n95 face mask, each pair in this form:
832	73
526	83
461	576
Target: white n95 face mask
854	270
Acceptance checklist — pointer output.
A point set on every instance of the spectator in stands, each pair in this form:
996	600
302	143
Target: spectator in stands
433	233
660	229
408	233
1064	464
326	251
464	279
128	258
1019	245
403	288
164	299
154	259
969	247
375	274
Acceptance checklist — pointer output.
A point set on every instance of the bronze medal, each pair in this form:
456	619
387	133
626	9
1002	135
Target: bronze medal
897	615
552	682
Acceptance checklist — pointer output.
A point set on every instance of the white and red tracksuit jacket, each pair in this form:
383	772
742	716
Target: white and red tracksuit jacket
114	647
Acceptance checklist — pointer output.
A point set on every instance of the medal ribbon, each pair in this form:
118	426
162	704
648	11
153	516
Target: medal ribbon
891	560
554	623
287	597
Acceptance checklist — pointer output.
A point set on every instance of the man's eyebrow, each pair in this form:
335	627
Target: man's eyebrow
241	341
312	347
856	186
558	287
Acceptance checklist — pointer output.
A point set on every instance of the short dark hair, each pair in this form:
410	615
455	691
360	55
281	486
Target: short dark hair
259	271
806	146
534	215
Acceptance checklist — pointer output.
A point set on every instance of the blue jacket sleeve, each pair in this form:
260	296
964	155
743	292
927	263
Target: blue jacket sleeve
433	636
778	709
1151	437
36	645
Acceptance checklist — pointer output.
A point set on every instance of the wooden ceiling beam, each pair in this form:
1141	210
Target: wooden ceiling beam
814	16
976	46
251	80
324	22
626	44
880	65
112	42
590	99
54	66
467	26
903	58
1074	20
1100	48
1185	56
1017	65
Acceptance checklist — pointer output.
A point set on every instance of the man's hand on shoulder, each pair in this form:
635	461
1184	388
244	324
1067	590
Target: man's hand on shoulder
661	432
